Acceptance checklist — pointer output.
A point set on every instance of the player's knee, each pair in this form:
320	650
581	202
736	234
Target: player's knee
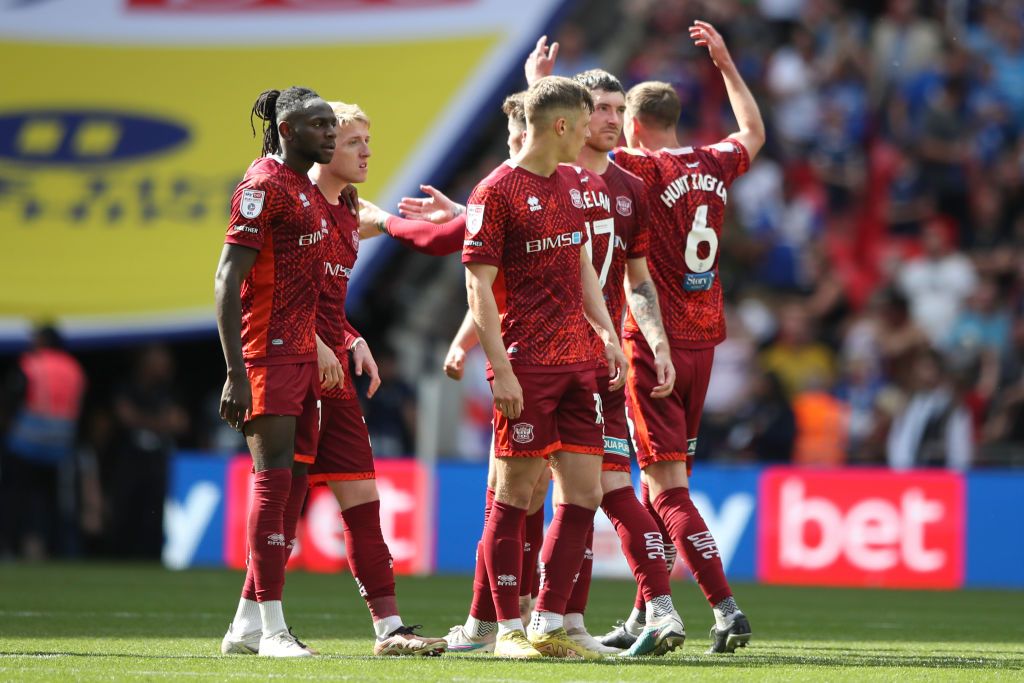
585	496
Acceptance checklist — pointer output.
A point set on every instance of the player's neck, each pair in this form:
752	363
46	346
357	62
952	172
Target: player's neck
330	185
538	158
296	162
660	140
593	160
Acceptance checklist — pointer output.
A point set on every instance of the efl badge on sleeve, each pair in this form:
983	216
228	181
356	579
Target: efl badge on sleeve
577	198
474	218
252	202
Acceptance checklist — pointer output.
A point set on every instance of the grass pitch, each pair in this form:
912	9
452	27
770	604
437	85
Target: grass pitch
119	622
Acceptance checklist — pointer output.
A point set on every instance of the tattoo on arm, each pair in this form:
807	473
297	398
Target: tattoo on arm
643	301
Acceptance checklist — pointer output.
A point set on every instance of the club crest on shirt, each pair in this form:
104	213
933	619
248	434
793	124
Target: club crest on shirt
577	198
474	218
624	205
522	432
251	205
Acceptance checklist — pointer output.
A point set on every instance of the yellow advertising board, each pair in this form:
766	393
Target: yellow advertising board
118	155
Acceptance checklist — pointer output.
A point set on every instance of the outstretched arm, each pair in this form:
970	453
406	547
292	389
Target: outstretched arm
420	235
751	133
436	207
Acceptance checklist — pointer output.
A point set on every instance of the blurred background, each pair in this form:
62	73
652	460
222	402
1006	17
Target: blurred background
873	261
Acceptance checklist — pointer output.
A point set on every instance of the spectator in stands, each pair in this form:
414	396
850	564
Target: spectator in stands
37	471
801	362
933	429
903	44
391	415
149	419
937	283
765	429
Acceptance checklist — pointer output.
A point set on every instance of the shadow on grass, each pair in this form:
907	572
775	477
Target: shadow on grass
742	661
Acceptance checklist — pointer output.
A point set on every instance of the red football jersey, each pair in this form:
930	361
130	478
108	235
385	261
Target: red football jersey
628	204
533	228
282	215
341	247
600	227
687	192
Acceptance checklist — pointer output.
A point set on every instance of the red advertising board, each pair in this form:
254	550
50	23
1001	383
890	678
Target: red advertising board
865	528
405	514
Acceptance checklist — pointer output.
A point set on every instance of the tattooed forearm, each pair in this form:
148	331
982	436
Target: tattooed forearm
643	302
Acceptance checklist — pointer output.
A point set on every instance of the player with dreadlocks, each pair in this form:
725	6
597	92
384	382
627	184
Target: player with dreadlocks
266	289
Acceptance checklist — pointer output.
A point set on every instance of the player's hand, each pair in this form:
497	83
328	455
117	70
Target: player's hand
236	400
704	34
436	207
364	362
616	366
372	220
541	61
666	373
455	362
332	373
508	395
350	198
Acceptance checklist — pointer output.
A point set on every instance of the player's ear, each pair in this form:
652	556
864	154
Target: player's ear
561	125
284	130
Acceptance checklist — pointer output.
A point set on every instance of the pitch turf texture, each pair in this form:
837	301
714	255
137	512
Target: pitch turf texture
129	622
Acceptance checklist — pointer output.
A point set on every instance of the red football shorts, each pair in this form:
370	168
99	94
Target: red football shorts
344	453
561	412
292	389
666	428
616	430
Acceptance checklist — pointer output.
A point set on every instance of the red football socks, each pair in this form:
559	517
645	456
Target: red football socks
642	542
533	539
267	541
292	512
370	559
691	536
581	588
482	607
562	556
503	556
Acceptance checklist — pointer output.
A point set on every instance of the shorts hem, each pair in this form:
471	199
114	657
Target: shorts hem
585	450
536	453
322	479
616	467
307	459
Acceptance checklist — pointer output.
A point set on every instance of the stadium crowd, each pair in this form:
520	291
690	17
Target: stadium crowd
874	264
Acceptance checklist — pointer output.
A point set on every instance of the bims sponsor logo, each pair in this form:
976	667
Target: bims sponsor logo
862	528
564	240
70	137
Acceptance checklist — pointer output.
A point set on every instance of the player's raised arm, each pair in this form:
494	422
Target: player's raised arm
541	61
596	312
465	339
643	303
751	133
235	263
508	395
